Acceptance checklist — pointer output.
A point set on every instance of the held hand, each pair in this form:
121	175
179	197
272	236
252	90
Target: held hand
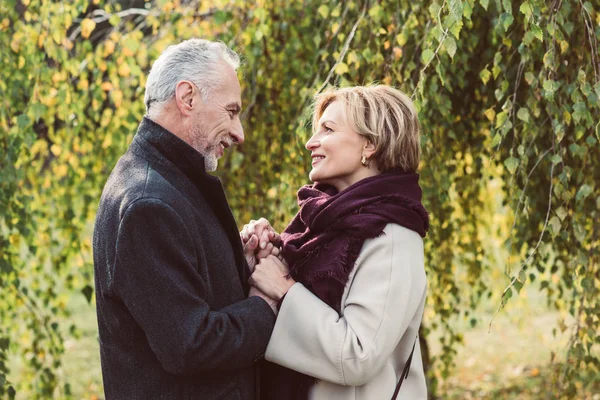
263	231
252	257
271	276
250	247
254	291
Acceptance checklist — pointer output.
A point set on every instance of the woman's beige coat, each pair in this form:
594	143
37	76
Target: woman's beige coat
361	354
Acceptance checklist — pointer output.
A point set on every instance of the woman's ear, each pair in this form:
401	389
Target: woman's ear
184	97
368	149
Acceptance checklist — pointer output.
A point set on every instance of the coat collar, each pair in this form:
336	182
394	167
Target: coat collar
178	152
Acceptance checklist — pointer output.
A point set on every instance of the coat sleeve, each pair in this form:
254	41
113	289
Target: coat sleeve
387	287
156	277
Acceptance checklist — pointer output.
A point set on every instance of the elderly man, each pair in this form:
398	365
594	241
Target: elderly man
176	317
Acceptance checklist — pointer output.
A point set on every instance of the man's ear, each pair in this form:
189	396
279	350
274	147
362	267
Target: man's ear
185	97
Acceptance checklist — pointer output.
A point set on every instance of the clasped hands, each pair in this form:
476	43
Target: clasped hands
269	277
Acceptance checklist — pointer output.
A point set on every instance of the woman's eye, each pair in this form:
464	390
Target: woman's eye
328	129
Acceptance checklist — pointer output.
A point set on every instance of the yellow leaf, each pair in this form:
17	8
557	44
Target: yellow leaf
124	70
117	97
107	141
341	69
564	46
56	78
109	48
40	39
387	80
567	116
60	171
87	26
490	113
106	86
83	84
386	44
67	44
15	45
397	53
56	149
21	62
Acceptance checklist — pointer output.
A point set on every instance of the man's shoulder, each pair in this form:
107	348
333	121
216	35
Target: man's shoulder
134	178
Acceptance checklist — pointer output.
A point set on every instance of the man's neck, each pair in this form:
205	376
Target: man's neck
171	123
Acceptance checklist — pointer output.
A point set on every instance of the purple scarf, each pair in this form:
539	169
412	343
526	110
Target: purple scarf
323	241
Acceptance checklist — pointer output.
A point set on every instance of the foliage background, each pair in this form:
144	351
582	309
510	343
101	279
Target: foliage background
508	93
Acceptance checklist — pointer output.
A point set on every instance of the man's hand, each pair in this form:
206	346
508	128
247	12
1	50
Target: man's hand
254	291
272	277
260	240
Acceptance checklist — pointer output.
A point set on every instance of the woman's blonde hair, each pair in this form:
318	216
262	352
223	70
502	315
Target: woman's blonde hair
383	115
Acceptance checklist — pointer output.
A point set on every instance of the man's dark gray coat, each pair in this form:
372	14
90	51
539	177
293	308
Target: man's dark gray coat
171	280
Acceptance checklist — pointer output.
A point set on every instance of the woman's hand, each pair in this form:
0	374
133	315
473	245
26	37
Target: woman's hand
272	276
263	231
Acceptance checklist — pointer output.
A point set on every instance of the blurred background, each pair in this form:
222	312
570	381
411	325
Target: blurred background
508	94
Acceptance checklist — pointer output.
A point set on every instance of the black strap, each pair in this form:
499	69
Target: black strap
404	374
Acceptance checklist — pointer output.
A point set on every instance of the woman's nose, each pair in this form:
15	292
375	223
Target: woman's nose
312	143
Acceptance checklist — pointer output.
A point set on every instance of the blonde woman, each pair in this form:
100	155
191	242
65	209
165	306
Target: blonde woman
352	283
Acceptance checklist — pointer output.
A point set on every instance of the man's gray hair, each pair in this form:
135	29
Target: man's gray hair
194	60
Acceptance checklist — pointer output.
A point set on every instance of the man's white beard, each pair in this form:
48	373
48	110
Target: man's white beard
200	144
210	161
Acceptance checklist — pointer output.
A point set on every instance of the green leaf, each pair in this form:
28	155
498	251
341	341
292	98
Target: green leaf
496	140
114	20
427	56
554	224
583	192
484	4
518	286
450	45
507	21
434	10
37	110
501	119
523	114
526	9
87	292
587	284
529	77
485	75
537	31
323	11
23	121
555	159
456	9
562	213
508	294
511	164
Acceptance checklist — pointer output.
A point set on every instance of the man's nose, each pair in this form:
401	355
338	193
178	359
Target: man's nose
237	133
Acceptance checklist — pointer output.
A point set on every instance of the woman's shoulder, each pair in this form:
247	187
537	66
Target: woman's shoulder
397	247
396	235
